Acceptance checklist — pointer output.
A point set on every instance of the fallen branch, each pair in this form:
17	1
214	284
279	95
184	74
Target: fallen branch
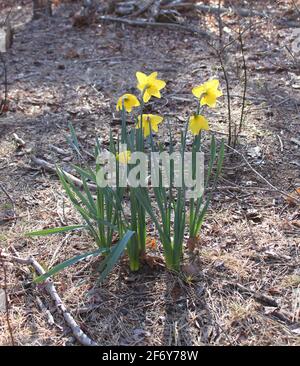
45	311
264	299
142	10
142	23
50	288
52	169
19	142
7	307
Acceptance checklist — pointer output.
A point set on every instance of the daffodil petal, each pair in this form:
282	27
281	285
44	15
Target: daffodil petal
159	84
198	123
146	96
209	99
198	91
141	77
214	83
154	92
129	101
156	119
152	76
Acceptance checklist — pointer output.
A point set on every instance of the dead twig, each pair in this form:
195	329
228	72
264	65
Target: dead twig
10	199
4	102
280	142
45	311
7	302
51	168
142	23
264	299
50	288
142	9
19	142
245	83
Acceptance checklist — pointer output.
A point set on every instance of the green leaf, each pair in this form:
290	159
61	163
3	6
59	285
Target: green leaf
108	263
87	173
55	230
73	141
68	263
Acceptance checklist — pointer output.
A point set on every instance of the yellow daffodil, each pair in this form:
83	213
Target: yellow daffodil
149	85
124	157
208	93
198	123
149	122
129	101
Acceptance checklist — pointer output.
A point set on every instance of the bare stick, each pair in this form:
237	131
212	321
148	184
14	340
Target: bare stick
296	7
7	302
142	9
50	288
10	199
245	82
45	311
264	299
142	23
51	168
3	103
280	142
228	97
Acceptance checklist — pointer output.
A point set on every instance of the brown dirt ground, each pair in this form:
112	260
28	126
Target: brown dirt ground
59	74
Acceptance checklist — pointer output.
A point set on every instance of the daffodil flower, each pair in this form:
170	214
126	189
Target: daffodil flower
124	157
208	93
149	85
149	122
130	101
198	123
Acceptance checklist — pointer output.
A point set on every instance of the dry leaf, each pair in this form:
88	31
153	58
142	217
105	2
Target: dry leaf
151	243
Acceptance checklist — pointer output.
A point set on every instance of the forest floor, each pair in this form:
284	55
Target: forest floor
59	74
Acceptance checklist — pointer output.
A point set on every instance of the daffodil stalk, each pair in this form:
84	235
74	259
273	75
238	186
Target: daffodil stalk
137	245
171	235
149	86
206	94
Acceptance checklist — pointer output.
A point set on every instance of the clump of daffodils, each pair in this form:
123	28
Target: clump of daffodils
104	215
141	203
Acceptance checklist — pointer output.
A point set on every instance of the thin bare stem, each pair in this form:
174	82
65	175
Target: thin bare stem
245	84
4	101
7	302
